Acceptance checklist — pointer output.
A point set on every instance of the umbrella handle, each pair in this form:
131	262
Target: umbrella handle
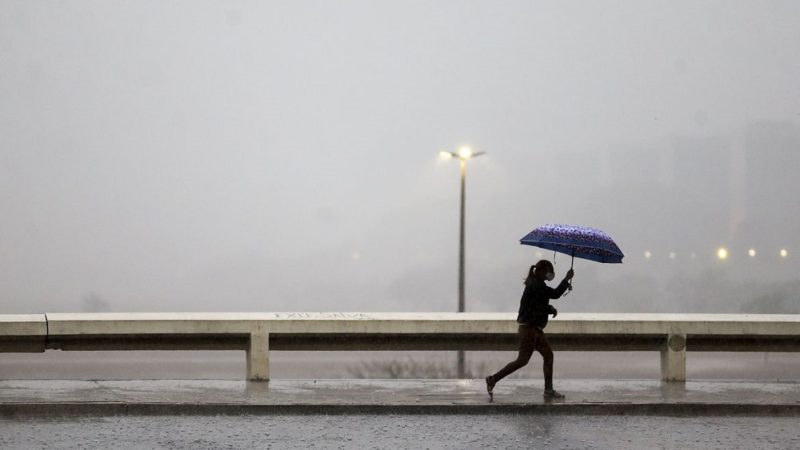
571	265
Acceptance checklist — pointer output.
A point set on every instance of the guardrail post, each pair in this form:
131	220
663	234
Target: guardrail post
258	357
673	358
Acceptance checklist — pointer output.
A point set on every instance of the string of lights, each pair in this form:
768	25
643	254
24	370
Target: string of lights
721	253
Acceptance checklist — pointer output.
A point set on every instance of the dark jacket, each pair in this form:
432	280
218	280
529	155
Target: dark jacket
534	307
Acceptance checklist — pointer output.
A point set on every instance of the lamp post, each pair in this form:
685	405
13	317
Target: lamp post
463	155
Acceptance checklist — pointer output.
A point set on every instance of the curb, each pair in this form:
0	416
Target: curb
17	410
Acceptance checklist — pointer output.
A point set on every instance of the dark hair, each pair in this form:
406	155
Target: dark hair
543	264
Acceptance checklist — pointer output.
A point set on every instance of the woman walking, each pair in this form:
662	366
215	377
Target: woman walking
534	308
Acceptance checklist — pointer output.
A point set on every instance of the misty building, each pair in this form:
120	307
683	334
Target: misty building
700	174
772	183
690	194
673	195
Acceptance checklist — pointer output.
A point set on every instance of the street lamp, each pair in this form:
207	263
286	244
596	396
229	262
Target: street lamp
463	155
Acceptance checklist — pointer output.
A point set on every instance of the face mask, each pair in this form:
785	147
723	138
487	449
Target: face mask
550	276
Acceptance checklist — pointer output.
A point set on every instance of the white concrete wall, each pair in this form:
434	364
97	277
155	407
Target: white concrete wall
596	323
23	333
18	332
23	325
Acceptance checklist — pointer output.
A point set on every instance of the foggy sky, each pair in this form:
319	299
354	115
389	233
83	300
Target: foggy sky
271	156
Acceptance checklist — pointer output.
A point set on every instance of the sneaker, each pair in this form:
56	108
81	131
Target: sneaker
490	386
551	394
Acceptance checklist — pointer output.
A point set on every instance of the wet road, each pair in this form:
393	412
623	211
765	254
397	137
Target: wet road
230	365
406	431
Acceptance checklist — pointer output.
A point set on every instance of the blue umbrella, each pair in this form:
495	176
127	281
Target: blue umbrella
582	242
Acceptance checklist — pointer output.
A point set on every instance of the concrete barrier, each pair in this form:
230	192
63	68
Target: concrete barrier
23	333
259	333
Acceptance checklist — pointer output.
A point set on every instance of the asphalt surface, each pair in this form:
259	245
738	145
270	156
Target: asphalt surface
434	414
406	431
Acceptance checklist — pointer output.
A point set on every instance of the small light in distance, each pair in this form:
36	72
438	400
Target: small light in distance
672	255
752	252
356	256
465	152
444	156
722	253
784	253
648	255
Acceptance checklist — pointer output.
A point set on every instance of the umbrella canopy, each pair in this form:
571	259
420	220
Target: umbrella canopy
578	242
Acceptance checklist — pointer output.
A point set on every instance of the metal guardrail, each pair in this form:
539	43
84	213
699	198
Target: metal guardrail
259	333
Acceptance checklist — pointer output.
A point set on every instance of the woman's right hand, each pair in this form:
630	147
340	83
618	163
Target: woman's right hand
570	274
